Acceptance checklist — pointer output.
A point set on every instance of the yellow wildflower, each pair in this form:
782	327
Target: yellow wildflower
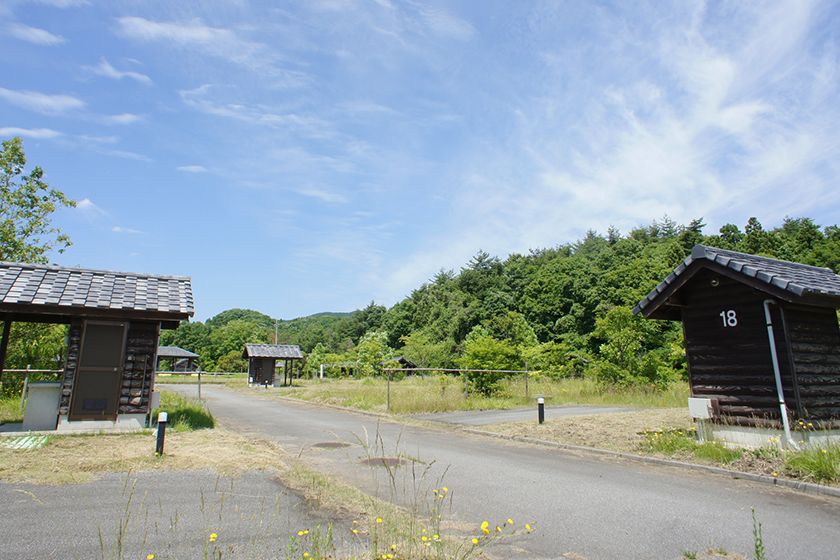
510	521
498	529
213	537
379	520
355	531
528	527
150	557
445	489
306	555
475	540
394	547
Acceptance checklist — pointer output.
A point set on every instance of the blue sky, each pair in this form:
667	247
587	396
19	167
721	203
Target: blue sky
311	156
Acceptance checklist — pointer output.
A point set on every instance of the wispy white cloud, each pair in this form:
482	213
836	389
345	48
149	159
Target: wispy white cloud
89	208
38	133
444	24
206	99
33	35
192	169
44	103
122	118
62	3
219	42
125	154
104	68
126	230
323	195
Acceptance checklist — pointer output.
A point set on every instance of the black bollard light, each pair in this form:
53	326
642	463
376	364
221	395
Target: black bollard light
161	432
541	409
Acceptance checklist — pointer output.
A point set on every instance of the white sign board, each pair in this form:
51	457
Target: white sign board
700	408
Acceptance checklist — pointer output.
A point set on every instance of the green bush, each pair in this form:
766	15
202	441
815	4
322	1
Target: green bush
184	414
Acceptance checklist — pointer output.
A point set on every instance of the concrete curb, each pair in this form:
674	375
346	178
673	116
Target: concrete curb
806	487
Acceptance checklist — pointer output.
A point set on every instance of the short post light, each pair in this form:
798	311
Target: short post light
541	409
163	418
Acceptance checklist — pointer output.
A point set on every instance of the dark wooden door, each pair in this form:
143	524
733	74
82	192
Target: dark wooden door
96	389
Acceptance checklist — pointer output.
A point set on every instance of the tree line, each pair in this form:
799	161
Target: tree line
565	311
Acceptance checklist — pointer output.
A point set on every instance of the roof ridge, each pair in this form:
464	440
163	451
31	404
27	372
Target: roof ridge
706	248
59	268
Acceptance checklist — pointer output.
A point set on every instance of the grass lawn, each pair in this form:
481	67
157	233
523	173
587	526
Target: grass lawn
445	393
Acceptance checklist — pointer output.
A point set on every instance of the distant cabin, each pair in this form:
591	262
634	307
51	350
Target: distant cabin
263	358
177	359
724	299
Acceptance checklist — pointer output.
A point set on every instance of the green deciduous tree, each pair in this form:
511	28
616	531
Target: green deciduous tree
371	351
27	203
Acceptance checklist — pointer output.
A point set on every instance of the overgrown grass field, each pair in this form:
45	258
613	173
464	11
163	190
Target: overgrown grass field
446	393
222	378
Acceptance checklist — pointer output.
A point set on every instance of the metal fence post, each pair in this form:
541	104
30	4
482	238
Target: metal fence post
388	395
466	385
526	380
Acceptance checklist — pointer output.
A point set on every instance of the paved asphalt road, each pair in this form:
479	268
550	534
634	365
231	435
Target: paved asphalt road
169	514
486	417
597	508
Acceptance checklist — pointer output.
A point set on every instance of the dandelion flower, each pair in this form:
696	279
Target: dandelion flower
475	541
379	520
498	529
213	537
528	527
306	555
435	491
435	537
150	557
510	521
355	531
445	489
424	538
394	547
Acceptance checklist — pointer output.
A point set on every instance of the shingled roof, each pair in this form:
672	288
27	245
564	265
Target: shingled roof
786	280
281	351
174	352
37	290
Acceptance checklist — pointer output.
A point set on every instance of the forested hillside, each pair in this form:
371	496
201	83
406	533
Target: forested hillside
565	310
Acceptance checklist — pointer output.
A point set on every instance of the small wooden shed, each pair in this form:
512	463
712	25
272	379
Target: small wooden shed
756	329
180	360
263	358
114	322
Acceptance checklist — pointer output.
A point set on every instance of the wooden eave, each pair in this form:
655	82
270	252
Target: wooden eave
665	304
39	313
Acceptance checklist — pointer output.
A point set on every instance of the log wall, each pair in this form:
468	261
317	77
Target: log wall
138	368
728	351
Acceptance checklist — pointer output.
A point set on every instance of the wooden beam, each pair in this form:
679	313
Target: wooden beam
4	345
